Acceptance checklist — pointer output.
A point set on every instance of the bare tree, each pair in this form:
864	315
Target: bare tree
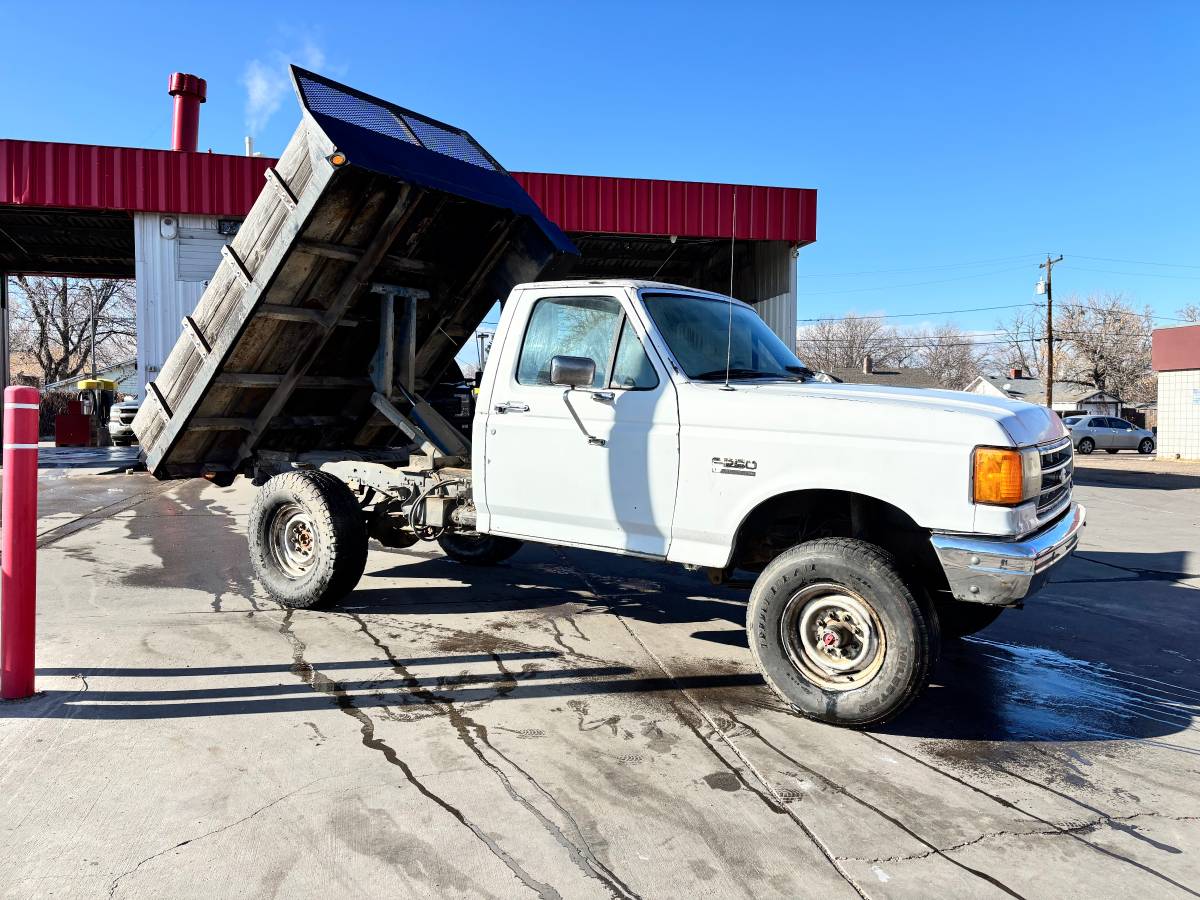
58	321
842	343
947	353
1190	313
1106	344
1019	344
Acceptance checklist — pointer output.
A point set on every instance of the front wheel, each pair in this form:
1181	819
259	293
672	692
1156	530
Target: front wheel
1086	446
839	635
1146	447
308	540
478	549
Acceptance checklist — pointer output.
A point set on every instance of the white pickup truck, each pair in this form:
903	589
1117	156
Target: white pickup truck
672	424
628	417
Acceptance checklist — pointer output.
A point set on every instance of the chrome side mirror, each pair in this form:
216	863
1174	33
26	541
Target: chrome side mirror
572	371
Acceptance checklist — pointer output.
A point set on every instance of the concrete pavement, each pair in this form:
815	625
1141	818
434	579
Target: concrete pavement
577	725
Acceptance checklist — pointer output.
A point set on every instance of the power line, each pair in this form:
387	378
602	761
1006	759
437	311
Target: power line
893	287
1138	274
943	312
966	265
1137	262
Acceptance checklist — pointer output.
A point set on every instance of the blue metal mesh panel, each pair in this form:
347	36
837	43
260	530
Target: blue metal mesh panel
329	101
448	143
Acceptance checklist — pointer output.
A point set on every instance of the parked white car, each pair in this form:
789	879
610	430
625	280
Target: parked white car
120	422
1089	433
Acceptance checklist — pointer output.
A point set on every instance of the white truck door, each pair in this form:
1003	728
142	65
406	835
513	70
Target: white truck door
544	478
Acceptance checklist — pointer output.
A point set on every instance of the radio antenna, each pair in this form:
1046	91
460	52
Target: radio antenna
729	299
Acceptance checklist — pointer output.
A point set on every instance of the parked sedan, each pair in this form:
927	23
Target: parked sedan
1090	433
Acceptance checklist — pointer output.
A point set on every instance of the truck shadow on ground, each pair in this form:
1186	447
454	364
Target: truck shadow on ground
1087	476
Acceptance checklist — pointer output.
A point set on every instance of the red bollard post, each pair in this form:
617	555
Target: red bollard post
18	520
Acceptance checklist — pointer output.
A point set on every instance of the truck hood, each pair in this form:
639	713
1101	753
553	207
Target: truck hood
1024	423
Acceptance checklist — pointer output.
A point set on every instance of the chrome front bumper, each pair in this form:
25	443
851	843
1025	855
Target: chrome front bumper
1000	571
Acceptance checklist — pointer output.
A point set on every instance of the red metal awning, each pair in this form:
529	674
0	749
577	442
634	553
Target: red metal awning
84	176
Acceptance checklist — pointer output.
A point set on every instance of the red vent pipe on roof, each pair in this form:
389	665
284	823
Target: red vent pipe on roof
189	92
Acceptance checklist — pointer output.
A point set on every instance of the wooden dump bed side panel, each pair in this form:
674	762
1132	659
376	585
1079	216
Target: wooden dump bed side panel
277	354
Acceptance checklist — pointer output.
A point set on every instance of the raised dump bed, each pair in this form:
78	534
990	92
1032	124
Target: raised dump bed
371	209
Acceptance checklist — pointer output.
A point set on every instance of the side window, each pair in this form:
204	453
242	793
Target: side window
569	326
1116	423
631	367
1097	422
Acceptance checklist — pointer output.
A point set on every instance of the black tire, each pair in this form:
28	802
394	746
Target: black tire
1112	451
1146	447
1086	446
898	670
957	619
478	550
314	509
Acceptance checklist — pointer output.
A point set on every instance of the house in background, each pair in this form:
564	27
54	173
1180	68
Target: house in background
124	373
894	377
1068	396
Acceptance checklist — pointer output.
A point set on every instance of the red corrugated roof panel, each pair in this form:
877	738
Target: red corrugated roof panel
83	176
588	203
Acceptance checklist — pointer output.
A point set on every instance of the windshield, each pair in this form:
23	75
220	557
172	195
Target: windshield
697	329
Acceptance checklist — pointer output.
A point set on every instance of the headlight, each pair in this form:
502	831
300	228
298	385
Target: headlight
1002	476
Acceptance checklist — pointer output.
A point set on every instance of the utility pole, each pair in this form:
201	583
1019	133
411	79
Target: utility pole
1048	265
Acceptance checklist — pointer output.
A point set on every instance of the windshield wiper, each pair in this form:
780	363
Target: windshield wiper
744	373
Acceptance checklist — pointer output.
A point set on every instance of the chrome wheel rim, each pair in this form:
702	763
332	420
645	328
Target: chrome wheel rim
833	636
293	541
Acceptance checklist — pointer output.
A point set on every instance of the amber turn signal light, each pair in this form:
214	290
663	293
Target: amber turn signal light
997	472
337	158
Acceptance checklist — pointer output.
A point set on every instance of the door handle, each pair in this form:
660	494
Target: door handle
511	406
603	396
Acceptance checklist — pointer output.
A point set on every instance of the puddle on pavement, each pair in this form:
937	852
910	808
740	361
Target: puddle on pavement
993	691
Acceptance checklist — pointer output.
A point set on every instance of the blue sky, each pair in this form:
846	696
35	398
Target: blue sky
952	144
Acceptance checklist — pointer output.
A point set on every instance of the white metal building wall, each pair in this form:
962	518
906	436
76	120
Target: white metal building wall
774	290
174	256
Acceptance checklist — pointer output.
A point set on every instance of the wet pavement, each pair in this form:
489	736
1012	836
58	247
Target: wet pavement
578	725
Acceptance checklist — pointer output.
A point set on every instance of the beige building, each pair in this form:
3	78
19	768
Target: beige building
1176	359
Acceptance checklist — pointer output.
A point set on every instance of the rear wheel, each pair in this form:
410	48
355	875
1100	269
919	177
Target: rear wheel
1086	446
1146	446
308	540
838	634
478	549
957	619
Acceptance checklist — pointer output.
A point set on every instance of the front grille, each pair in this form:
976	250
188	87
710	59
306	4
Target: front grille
127	417
1057	469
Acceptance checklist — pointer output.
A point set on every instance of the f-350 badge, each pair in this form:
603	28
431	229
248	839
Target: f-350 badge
723	465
